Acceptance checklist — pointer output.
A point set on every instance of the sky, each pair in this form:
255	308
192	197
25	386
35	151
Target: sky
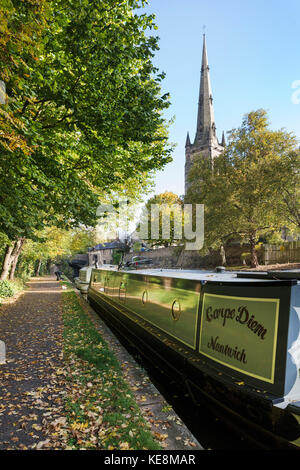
253	53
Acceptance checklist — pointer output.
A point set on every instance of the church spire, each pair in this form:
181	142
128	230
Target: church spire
206	144
206	129
188	140
223	143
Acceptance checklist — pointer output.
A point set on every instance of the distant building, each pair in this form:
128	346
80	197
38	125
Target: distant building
206	142
103	253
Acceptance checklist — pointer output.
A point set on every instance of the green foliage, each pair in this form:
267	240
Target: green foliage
136	246
3	242
103	391
53	244
289	205
22	24
243	193
84	110
10	288
273	238
6	289
170	210
116	256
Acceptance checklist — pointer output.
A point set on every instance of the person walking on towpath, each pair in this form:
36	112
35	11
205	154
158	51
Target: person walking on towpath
58	275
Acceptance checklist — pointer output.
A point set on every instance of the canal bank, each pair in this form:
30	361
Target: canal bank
165	424
56	398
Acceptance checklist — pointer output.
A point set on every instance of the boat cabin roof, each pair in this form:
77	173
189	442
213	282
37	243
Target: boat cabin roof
212	275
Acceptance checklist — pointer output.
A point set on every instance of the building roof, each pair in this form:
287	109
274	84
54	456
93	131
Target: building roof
107	246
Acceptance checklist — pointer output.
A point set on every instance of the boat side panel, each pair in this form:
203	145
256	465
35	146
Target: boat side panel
169	304
253	344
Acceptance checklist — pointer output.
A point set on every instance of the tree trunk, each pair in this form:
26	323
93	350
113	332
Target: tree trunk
223	255
7	261
13	267
254	260
37	272
15	256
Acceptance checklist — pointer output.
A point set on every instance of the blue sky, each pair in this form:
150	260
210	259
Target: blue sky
253	53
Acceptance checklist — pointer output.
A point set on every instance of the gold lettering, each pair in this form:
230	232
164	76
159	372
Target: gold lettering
243	317
227	350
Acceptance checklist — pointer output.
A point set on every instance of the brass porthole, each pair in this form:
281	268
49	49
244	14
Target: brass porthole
176	310
145	297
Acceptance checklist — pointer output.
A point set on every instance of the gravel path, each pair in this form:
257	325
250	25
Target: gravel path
31	328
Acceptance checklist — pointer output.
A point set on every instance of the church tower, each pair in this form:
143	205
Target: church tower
206	142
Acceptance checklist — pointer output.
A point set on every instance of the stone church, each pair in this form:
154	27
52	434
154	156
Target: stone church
206	143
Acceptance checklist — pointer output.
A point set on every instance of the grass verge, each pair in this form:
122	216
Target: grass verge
9	288
101	410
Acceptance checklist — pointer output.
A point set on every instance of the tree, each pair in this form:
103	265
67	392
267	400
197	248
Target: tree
53	244
210	187
243	189
290	205
85	106
22	24
163	217
99	94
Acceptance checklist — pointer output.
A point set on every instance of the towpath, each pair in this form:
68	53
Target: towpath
32	330
32	381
